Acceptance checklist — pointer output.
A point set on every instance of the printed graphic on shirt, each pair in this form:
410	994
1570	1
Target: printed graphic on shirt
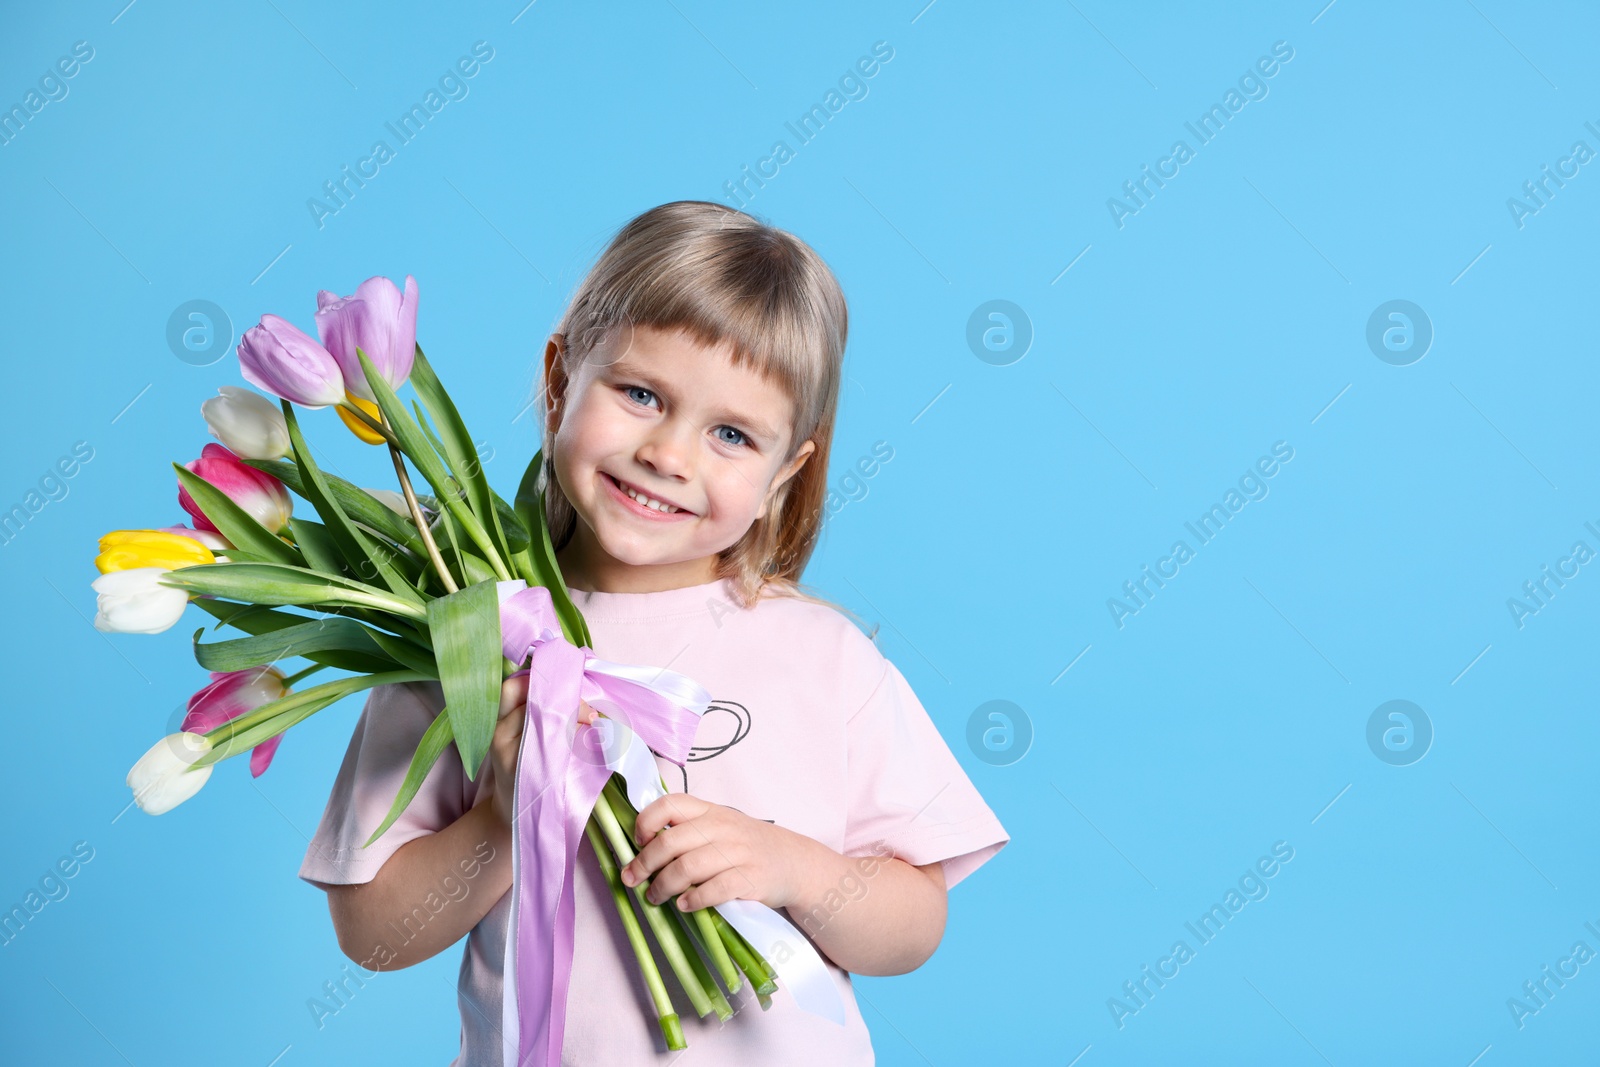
725	724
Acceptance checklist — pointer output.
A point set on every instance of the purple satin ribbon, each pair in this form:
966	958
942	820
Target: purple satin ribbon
560	773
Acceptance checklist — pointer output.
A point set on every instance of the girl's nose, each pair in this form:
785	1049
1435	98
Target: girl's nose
669	450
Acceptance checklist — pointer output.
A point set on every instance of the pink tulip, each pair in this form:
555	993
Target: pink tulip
378	319
278	357
210	538
231	694
257	492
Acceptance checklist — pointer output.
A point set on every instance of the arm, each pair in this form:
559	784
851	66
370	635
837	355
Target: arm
372	914
873	915
368	915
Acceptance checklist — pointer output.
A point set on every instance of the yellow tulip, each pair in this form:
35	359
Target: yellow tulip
124	550
357	427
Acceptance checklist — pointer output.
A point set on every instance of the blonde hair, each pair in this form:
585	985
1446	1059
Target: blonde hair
721	276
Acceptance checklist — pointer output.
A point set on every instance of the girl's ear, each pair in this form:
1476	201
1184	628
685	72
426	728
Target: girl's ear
789	470
555	374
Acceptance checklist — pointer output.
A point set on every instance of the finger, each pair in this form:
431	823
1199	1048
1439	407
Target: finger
690	869
586	714
507	742
667	845
513	694
507	738
665	811
719	889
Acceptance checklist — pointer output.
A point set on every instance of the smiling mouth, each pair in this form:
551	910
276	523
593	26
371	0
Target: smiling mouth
643	499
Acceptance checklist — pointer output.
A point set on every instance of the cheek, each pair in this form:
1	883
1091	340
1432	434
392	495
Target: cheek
737	491
591	429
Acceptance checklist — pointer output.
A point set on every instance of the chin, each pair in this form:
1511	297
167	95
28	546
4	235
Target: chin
632	551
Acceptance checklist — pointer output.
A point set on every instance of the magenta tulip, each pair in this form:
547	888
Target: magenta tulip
257	492
278	357
231	694
378	319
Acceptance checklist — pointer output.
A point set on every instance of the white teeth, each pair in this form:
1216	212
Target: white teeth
648	502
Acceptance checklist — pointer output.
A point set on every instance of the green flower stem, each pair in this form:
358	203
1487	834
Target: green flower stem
719	1003
377	427
753	963
671	1027
293	678
416	513
667	932
711	942
706	932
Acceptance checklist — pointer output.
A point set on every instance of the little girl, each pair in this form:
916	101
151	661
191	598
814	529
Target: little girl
689	395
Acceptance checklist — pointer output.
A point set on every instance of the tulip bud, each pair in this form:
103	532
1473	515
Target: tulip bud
257	492
135	602
248	423
378	319
161	779
231	694
278	357
123	550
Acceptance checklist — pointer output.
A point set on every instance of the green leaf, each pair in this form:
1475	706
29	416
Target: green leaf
477	570
256	619
333	634
239	555
274	583
407	654
360	505
233	522
541	556
517	537
316	545
415	445
454	442
466	643
409	434
365	556
432	745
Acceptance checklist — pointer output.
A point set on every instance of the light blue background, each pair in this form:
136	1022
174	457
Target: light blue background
1228	314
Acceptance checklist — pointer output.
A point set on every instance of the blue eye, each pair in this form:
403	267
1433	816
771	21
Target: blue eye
740	440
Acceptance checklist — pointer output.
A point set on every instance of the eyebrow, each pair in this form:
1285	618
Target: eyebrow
761	429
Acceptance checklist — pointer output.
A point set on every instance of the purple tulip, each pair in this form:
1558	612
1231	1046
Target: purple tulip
381	321
278	357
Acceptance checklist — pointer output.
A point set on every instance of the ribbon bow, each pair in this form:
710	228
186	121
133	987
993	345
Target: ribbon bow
560	773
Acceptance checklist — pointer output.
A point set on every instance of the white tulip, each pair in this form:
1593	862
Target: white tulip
135	602
160	780
248	424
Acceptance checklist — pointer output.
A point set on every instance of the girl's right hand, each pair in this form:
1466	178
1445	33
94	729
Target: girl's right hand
506	744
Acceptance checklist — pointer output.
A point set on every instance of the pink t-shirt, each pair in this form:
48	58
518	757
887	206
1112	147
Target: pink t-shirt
810	728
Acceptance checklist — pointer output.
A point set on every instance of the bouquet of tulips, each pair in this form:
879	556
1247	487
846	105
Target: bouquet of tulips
388	587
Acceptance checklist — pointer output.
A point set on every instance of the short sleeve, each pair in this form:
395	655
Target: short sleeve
907	791
381	747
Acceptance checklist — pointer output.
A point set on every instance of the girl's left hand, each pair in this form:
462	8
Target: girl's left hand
707	854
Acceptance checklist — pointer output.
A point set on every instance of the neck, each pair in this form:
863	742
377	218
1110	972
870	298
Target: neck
595	572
